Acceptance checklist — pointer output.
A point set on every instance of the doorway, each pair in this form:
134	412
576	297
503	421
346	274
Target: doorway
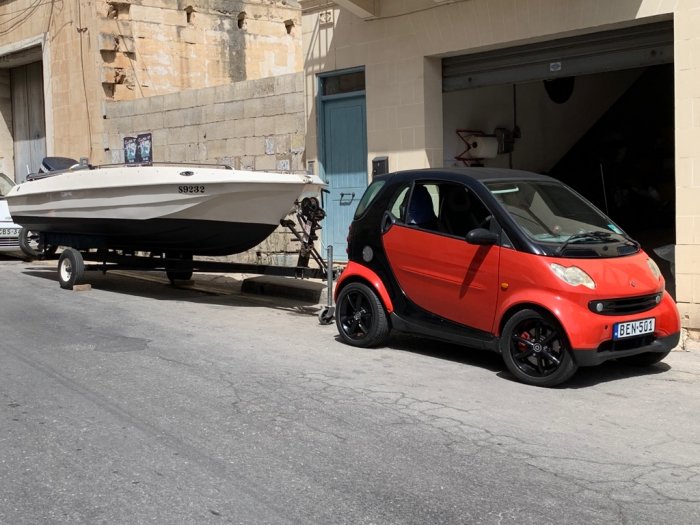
28	124
343	133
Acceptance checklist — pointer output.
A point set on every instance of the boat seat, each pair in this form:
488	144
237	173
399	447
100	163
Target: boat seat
57	163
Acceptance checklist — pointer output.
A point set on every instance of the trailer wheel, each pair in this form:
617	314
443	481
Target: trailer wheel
180	272
31	245
326	315
178	275
71	268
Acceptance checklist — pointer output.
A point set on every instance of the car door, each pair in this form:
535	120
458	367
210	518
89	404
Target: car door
435	266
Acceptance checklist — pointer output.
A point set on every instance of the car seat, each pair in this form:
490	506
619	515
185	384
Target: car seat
457	217
420	209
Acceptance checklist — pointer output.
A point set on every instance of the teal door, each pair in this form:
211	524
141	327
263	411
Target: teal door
344	168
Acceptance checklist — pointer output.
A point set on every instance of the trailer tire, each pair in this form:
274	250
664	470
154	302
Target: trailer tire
71	268
178	275
30	244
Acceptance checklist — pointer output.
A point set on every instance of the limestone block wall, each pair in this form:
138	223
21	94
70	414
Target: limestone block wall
59	32
152	47
130	49
687	113
251	125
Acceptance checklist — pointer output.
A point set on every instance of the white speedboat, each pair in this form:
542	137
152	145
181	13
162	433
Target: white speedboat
191	209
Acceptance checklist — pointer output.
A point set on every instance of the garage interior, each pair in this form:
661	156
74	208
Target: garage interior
595	111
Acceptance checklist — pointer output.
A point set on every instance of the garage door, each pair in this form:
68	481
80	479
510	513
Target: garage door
29	128
632	47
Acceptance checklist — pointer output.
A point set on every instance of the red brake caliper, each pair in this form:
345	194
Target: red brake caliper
522	346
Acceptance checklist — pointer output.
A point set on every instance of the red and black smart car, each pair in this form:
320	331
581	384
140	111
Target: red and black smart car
505	260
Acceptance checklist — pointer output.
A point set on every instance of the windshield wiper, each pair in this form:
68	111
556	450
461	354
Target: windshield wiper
597	236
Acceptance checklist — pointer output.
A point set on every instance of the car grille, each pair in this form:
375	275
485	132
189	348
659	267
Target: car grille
8	241
627	344
628	305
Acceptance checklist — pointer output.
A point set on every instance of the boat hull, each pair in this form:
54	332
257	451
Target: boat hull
202	211
196	237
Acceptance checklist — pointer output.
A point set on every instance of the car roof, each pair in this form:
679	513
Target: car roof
475	174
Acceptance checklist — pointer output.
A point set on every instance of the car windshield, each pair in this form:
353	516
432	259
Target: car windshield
6	184
552	213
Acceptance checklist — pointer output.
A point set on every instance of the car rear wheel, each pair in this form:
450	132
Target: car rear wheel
360	316
535	349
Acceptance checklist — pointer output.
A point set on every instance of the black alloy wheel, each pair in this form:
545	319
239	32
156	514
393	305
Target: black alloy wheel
535	349
360	316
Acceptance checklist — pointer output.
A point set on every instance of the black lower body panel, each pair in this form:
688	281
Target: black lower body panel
447	331
593	356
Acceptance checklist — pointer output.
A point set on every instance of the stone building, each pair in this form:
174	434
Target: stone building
603	95
67	67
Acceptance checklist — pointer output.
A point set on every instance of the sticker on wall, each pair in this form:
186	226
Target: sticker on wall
138	149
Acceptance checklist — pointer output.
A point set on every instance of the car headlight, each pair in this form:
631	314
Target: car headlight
573	275
654	268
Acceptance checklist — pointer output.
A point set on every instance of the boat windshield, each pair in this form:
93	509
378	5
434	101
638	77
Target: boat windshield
6	184
560	220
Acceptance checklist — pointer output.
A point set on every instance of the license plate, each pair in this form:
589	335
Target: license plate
9	232
634	328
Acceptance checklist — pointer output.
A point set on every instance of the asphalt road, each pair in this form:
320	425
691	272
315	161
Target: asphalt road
136	402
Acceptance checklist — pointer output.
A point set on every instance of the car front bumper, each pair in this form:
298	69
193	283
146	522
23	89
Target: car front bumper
596	356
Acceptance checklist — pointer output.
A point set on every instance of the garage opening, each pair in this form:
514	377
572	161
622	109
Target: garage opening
595	111
22	121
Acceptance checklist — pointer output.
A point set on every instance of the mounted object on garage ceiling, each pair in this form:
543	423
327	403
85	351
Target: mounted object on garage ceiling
627	48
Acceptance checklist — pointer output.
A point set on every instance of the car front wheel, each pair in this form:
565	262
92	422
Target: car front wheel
360	316
535	349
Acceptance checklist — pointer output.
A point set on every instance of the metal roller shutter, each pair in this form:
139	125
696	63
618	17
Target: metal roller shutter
631	47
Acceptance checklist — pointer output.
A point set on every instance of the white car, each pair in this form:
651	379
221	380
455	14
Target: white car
9	231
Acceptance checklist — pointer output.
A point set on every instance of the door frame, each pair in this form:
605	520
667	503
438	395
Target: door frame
320	117
34	49
321	101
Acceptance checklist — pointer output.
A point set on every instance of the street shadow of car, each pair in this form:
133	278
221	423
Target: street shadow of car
585	376
611	371
445	351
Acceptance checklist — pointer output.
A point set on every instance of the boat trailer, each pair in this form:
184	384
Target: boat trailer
73	263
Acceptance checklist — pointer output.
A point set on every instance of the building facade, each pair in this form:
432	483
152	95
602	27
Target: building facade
62	63
602	95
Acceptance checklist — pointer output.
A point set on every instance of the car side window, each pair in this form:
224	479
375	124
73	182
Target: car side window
461	210
398	204
442	207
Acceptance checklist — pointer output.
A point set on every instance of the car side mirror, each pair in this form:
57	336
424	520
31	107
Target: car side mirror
388	220
482	237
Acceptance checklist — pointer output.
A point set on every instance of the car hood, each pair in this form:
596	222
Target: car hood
619	276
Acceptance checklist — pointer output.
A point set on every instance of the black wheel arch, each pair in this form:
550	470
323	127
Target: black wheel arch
361	280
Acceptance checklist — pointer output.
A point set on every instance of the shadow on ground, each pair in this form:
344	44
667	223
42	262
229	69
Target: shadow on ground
154	285
585	376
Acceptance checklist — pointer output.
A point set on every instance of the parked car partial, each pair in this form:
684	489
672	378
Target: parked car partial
506	260
9	231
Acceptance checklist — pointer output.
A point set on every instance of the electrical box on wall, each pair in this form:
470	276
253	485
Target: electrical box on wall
380	165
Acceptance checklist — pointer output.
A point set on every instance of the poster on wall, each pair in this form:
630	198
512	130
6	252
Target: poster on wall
138	149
